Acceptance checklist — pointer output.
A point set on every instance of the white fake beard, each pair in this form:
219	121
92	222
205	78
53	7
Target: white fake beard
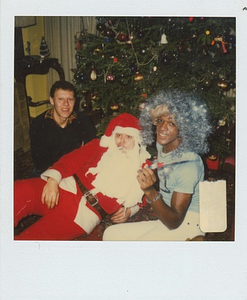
117	172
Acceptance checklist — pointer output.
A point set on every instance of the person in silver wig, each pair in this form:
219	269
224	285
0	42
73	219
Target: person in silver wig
182	128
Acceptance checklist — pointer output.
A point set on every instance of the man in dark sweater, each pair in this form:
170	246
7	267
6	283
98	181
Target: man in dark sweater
60	129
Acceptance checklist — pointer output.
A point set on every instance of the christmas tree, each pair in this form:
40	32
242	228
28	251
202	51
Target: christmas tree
131	58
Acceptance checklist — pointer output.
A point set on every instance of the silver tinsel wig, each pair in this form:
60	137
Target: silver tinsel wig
191	117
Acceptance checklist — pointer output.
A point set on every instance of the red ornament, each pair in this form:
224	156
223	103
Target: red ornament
223	47
122	37
191	19
110	77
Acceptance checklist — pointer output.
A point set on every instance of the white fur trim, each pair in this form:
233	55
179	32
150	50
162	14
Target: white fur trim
105	141
68	184
134	210
85	217
126	130
51	173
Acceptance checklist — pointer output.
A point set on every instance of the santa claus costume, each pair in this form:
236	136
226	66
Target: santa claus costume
108	174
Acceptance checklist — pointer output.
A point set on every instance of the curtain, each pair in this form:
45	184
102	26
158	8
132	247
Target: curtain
60	38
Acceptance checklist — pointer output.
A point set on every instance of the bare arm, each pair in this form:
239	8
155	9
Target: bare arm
50	194
172	216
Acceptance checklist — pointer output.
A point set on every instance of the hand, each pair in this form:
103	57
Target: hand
50	194
146	178
120	216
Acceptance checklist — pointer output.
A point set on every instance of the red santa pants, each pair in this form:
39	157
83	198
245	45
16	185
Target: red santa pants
56	223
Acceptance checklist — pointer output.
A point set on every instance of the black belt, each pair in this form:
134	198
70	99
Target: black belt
92	200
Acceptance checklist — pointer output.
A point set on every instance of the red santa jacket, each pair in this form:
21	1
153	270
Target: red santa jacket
78	162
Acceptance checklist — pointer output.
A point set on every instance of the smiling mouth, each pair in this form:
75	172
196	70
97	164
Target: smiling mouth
162	134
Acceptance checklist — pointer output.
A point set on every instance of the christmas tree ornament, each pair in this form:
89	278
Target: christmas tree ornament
96	51
222	122
155	68
222	84
43	49
93	75
129	40
218	39
144	95
163	39
110	77
223	47
191	19
207	32
121	37
114	107
138	76
94	96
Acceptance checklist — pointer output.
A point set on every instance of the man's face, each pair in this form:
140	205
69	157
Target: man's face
124	142
63	103
167	133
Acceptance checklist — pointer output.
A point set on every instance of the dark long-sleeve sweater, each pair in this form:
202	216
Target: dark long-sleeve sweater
49	141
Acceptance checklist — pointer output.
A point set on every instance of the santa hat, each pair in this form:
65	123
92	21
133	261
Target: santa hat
124	123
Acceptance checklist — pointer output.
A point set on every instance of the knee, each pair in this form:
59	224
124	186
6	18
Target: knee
110	233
